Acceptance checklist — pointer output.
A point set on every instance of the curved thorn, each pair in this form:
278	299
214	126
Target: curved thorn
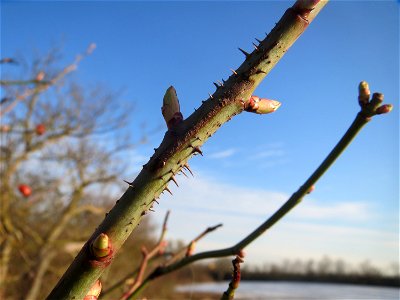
233	71
186	166
129	183
197	150
168	190
244	52
174	180
255	46
183	172
258	41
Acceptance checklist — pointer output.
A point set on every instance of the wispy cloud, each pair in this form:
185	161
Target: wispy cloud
222	154
222	198
314	228
268	153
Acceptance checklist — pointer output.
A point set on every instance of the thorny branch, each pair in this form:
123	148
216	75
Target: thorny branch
369	108
182	142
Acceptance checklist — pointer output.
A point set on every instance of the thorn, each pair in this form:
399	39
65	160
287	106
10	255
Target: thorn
174	180
150	209
255	46
129	183
216	85
223	81
183	172
155	200
211	97
167	189
220	83
197	150
244	52
188	168
233	71
261	71
155	149
258	41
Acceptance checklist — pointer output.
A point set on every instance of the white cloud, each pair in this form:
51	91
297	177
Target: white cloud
312	229
268	153
222	154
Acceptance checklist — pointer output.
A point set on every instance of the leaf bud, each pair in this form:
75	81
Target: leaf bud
101	246
190	249
261	105
384	109
94	291
171	109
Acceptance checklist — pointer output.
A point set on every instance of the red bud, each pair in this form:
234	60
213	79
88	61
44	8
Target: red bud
191	248
261	105
40	76
171	109
40	129
311	189
94	291
384	109
25	190
241	253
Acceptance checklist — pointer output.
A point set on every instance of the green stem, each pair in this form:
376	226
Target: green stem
360	120
179	145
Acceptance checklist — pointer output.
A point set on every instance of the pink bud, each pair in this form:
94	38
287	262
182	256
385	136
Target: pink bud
261	105
94	291
363	93
40	76
191	248
311	189
40	129
241	253
384	109
171	109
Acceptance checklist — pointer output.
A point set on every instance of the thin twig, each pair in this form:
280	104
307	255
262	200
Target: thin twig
147	256
229	294
363	117
185	249
41	86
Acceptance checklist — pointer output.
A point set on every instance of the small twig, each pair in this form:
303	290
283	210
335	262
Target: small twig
180	253
147	256
229	294
369	108
186	248
40	85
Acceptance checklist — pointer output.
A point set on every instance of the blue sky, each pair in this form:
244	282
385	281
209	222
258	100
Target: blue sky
254	162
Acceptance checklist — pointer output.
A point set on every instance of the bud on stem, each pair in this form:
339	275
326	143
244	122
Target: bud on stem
94	291
384	109
261	105
171	109
191	248
363	93
101	246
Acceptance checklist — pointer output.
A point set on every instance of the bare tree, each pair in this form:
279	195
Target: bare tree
59	150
